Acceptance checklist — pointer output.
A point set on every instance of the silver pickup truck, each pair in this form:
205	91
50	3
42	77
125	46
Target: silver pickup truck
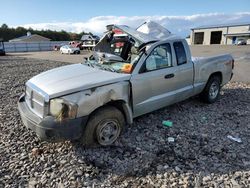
128	75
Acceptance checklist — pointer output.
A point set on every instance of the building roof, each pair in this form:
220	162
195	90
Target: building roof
89	37
237	34
222	25
30	38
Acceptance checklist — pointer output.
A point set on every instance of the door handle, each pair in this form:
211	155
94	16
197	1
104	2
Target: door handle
169	76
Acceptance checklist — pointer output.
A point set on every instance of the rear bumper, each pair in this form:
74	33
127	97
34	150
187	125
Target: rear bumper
48	128
76	52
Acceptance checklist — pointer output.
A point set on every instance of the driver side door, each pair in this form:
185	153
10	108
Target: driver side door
155	84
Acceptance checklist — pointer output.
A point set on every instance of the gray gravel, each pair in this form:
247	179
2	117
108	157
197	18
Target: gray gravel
200	156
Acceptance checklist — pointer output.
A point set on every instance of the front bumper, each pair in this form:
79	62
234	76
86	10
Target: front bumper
48	128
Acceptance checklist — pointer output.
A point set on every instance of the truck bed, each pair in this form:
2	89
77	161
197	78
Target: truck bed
205	66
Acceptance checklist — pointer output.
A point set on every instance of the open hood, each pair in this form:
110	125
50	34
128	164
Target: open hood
154	30
142	38
147	32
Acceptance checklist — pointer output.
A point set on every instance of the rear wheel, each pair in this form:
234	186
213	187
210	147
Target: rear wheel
212	90
103	127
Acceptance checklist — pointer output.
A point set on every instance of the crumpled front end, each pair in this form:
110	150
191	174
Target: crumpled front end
49	128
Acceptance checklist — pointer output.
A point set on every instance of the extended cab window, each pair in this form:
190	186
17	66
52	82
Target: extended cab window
180	53
159	58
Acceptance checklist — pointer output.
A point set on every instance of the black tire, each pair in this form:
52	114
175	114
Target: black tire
212	90
99	121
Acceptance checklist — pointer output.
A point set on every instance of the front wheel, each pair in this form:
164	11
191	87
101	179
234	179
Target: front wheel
212	90
103	127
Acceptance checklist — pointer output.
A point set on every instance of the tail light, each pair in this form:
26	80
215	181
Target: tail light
232	63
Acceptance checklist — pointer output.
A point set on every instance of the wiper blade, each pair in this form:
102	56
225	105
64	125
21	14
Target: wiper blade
89	64
101	66
107	68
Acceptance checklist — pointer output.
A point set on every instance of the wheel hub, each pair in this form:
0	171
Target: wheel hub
214	90
108	132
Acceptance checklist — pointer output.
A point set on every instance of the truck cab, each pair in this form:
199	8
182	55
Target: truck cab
167	70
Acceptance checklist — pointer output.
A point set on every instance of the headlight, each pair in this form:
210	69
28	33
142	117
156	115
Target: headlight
62	109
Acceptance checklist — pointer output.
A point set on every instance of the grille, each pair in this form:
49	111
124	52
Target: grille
35	101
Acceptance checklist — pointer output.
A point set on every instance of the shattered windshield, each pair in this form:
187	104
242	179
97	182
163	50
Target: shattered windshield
109	64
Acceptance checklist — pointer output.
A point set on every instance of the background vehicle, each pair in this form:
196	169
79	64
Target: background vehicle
76	44
67	49
93	101
89	41
241	42
2	50
57	47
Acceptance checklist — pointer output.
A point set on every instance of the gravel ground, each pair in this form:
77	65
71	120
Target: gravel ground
200	156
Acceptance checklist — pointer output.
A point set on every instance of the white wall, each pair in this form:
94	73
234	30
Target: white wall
188	41
31	46
207	34
225	30
238	29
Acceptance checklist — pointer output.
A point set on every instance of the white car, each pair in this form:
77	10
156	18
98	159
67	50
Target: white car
67	49
242	42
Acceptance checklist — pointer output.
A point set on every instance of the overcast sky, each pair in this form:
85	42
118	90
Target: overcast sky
94	15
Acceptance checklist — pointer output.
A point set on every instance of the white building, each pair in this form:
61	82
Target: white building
220	34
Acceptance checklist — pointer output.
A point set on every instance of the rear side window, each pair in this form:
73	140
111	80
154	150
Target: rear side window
180	53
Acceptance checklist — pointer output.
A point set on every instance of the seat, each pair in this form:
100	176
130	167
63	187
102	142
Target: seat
133	53
161	60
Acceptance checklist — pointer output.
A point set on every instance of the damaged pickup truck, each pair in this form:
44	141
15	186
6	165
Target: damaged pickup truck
131	72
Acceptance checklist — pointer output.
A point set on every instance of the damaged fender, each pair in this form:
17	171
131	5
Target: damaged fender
91	99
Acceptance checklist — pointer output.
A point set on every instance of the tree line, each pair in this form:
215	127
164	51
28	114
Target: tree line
7	34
